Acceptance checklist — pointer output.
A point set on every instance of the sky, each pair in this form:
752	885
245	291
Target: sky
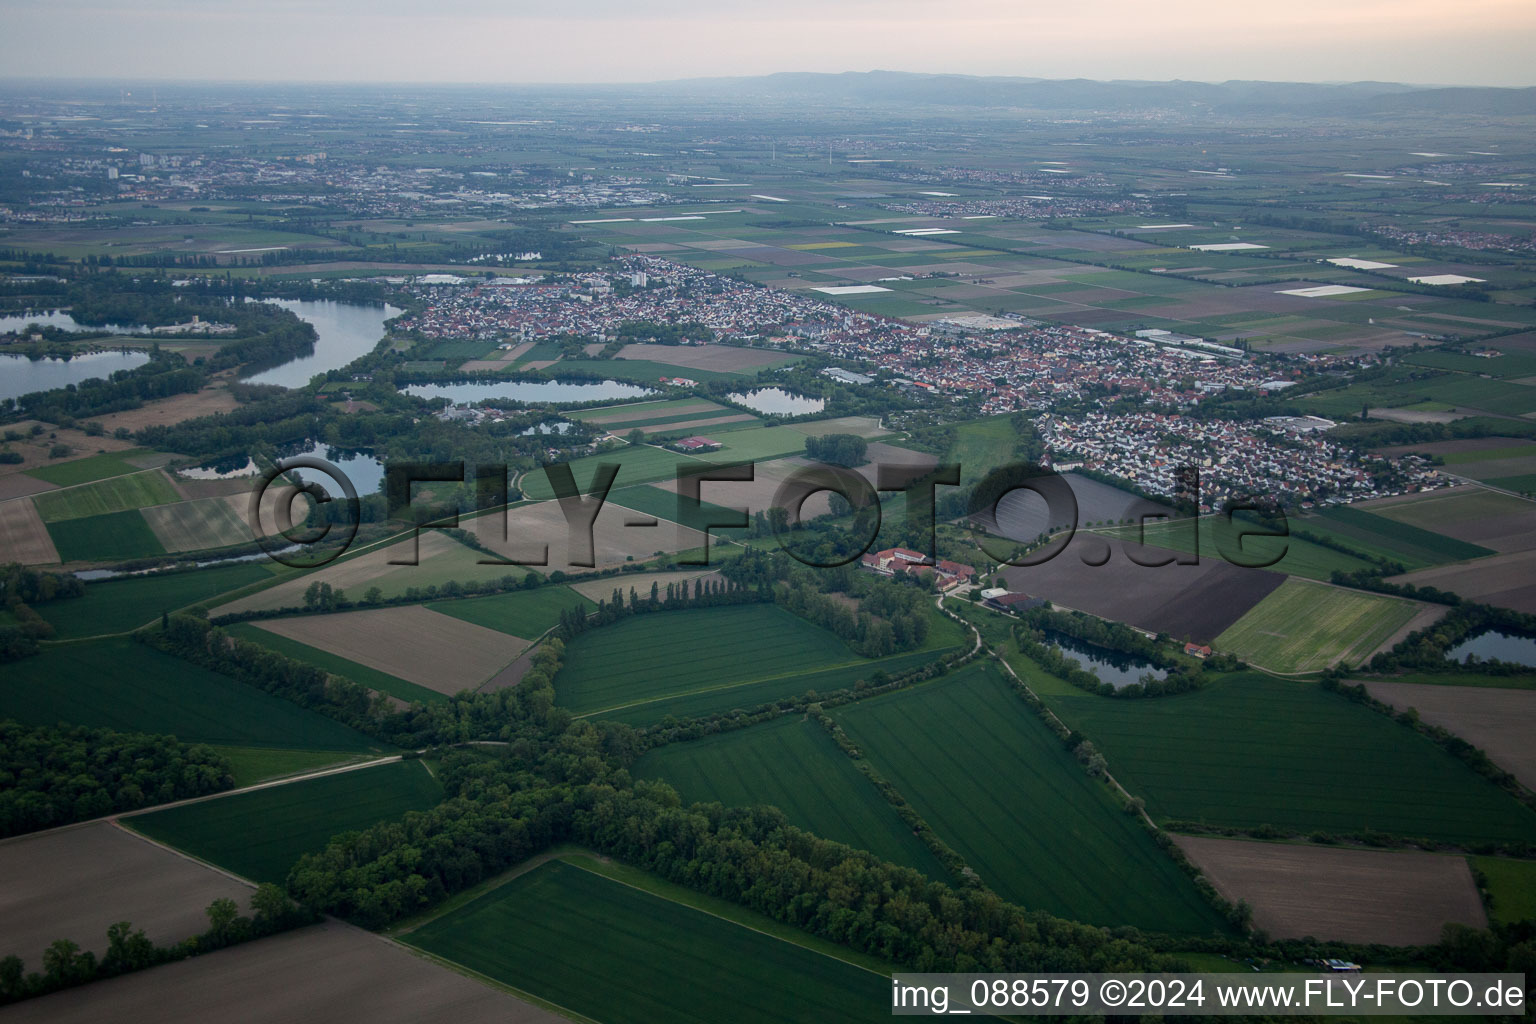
1449	42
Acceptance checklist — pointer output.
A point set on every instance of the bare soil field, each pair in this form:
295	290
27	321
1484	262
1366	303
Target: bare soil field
757	494
1474	514
74	883
330	972
612	541
354	574
718	358
1499	721
1396	898
1195	602
1508	581
206	402
413	643
23	537
19	485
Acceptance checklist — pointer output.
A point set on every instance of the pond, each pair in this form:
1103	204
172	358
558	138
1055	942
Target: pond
1491	644
62	321
1116	669
365	472
778	402
344	331
543	392
21	375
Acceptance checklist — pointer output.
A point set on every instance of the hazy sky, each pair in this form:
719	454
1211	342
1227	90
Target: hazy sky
1477	42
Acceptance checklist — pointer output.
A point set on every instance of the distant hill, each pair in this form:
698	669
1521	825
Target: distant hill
1081	94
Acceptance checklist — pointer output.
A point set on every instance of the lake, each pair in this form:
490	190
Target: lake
777	402
345	331
1490	644
61	320
538	392
1116	669
20	375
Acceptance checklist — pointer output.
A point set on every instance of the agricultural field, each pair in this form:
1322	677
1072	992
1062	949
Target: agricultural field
95	467
1244	544
546	931
794	765
520	613
129	686
410	642
113	494
126	603
1380	537
1188	602
1251	750
1396	898
81	880
110	537
363	675
997	785
678	415
201	524
24	537
384	983
1495	719
1308	627
1505	580
717	358
640	583
638	464
695	661
1472	514
1512	884
260	834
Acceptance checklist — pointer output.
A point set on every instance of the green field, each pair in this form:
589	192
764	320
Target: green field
1306	627
637	464
1525	483
1512	884
1439	509
663	504
553	931
701	660
756	444
83	471
336	664
125	685
648	371
999	787
115	494
1219	538
524	613
1381	537
794	765
261	834
116	606
1251	750
111	537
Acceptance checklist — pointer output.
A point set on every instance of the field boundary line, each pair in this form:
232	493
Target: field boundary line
463	899
486	979
271	784
126	830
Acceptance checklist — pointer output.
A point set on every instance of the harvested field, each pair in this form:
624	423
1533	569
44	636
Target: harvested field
437	651
23	537
612	541
1194	602
212	399
19	485
1508	581
718	358
201	524
330	972
1500	721
1396	898
75	882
